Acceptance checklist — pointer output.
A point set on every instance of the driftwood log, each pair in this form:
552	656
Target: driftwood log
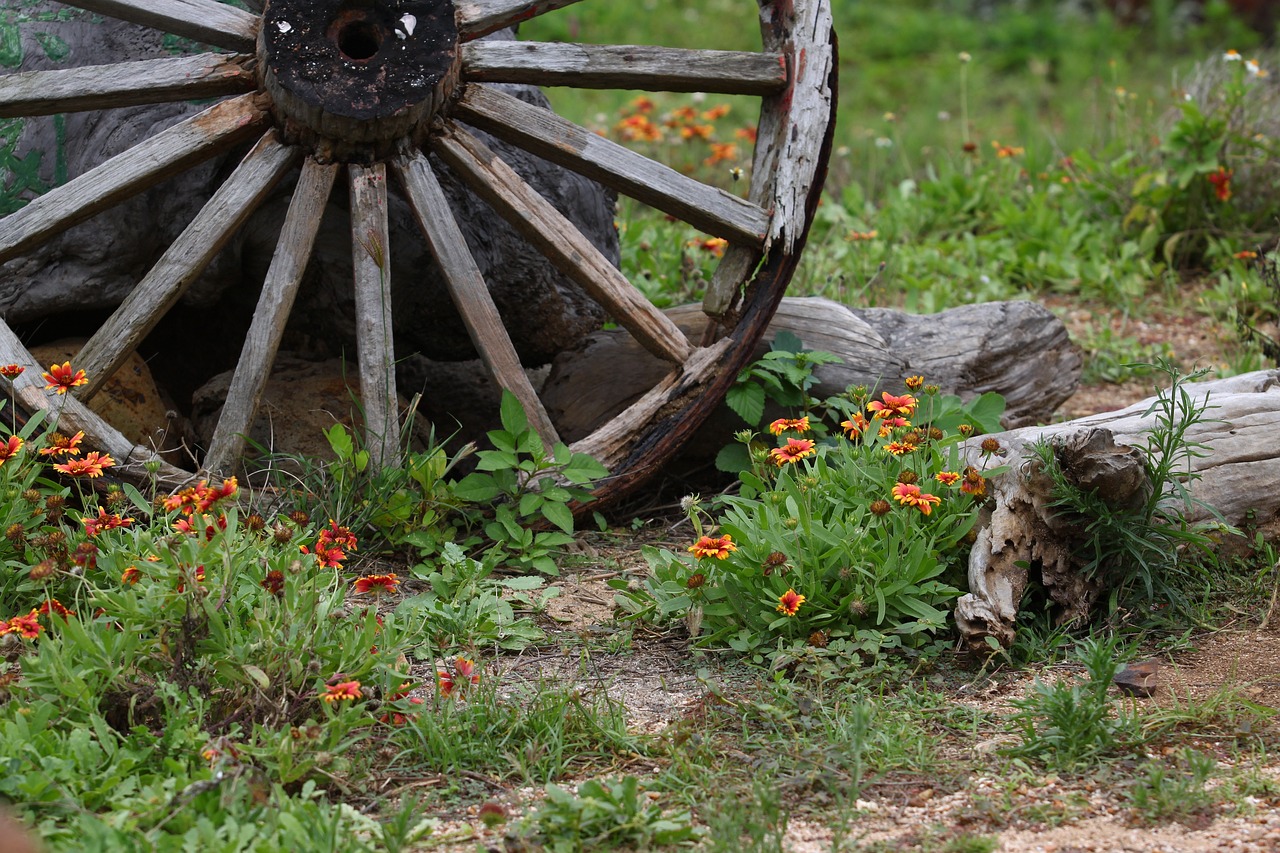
1017	349
1021	538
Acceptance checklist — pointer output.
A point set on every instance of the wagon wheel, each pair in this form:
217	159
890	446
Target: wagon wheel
367	87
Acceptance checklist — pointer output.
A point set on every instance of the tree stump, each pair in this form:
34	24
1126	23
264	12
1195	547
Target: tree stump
1022	538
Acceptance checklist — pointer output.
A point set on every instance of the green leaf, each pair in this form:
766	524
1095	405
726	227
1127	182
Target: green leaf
559	515
748	401
257	675
476	488
733	458
787	342
514	419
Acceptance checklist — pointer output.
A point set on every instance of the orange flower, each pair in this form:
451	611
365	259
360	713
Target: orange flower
26	626
52	605
1221	181
718	547
747	134
716	113
642	104
903	406
462	675
104	521
1245	255
62	378
376	583
722	152
130	575
335	535
10	448
342	691
714	245
909	494
854	426
974	483
789	603
395	718
1006	151
782	425
60	445
947	478
914	383
12	371
92	465
900	448
793	451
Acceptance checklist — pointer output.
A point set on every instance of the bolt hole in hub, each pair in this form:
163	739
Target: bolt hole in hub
352	79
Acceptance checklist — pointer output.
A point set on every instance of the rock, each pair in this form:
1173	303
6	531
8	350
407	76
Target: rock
1138	679
131	402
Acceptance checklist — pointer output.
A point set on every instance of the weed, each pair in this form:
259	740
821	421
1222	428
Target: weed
1068	724
605	814
1178	793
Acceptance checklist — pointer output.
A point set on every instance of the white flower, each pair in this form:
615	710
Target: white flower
1254	69
884	142
964	56
1231	56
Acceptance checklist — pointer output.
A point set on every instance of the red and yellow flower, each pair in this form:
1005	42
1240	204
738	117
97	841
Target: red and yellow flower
377	584
10	448
91	465
789	602
342	691
12	371
62	378
103	521
59	445
909	494
889	405
782	425
947	478
793	451
854	426
27	626
1221	180
713	546
457	677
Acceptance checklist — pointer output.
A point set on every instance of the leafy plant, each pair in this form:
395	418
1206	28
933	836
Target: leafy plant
607	814
1069	723
1139	547
842	546
530	483
1162	794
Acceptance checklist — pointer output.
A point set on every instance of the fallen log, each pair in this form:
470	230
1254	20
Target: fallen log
1017	349
1022	537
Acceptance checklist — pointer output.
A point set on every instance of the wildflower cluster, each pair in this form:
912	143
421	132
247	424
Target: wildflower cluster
686	124
857	538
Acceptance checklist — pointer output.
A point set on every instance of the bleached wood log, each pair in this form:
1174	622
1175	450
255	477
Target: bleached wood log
478	18
1233	472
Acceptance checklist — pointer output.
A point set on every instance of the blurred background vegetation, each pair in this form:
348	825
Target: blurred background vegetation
1106	154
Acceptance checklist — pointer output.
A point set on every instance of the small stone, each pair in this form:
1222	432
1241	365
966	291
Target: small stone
1138	679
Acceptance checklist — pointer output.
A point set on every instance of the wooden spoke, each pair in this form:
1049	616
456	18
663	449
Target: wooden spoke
205	21
652	69
184	260
370	247
480	17
544	133
557	238
468	289
73	416
297	238
130	172
98	87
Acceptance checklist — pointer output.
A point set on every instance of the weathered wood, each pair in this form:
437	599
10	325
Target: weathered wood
371	251
190	141
613	442
98	87
478	18
203	20
279	289
789	137
542	132
28	393
552	234
651	69
468	289
1239	462
233	203
1017	349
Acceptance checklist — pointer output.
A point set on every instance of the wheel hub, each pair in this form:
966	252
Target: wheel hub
353	78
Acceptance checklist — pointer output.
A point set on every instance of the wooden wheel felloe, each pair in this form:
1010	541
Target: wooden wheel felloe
363	90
